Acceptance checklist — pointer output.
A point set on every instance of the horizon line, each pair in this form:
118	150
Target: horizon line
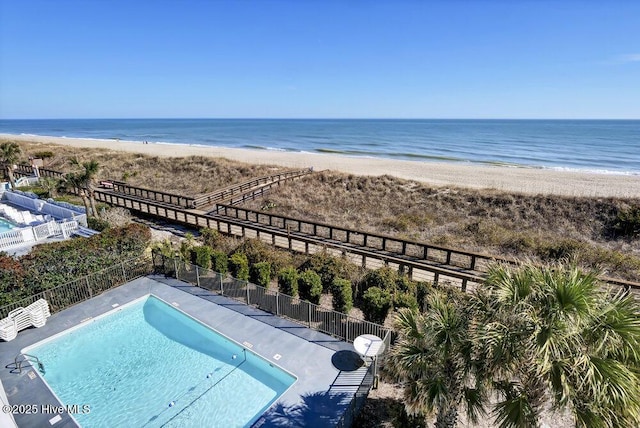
315	118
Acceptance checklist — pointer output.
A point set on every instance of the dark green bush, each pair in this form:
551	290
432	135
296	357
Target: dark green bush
97	224
627	223
324	265
56	263
220	262
560	250
239	266
310	286
261	274
288	281
209	237
384	278
342	295
405	300
423	289
202	256
376	303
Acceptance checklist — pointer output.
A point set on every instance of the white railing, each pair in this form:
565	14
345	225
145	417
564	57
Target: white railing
26	181
68	227
10	238
25	235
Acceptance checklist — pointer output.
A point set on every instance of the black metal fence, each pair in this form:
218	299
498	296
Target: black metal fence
81	289
316	317
310	315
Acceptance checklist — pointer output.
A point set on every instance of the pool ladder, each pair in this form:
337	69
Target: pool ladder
28	358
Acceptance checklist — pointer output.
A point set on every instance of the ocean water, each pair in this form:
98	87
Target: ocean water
605	146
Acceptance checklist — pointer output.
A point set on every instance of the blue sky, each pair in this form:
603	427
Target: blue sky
319	59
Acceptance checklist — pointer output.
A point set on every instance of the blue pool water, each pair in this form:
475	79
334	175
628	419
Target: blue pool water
5	226
150	365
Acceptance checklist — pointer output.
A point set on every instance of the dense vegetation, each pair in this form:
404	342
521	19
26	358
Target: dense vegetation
52	264
533	336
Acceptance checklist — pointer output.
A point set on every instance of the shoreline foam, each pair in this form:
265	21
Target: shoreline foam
529	180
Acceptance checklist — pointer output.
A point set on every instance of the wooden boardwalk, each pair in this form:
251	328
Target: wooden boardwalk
420	261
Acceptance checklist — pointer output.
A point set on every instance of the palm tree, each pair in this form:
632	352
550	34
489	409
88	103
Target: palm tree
50	185
433	359
85	179
77	182
9	155
555	335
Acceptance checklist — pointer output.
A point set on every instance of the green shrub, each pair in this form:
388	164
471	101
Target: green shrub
342	295
384	278
239	266
324	265
97	224
627	223
202	256
209	237
288	281
405	300
560	250
45	154
261	274
310	286
376	303
423	289
220	262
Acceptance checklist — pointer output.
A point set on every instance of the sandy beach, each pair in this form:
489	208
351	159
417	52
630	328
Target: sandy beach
511	179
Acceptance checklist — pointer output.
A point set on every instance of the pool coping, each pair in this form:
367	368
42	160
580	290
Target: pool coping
328	371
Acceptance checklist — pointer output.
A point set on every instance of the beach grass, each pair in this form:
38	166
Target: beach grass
541	227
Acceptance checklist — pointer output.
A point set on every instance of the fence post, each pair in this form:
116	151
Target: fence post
247	288
175	266
124	273
277	303
346	332
197	276
309	314
86	279
221	289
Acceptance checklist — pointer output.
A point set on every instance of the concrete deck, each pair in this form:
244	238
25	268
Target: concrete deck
328	370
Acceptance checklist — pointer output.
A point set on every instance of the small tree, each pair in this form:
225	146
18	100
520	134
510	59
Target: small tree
220	262
239	266
261	274
310	286
326	266
384	278
376	303
627	223
9	155
342	295
209	236
202	256
288	281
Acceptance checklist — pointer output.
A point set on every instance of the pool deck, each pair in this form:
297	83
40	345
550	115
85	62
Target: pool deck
328	370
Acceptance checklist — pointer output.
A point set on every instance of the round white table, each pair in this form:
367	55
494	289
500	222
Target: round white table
368	345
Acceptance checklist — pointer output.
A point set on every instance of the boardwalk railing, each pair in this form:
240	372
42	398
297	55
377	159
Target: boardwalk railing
27	170
422	261
154	195
447	256
227	193
81	289
313	316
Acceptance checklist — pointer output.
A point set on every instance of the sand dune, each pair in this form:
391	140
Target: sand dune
525	180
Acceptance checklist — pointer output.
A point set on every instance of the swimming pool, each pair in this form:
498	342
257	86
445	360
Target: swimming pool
5	225
148	364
